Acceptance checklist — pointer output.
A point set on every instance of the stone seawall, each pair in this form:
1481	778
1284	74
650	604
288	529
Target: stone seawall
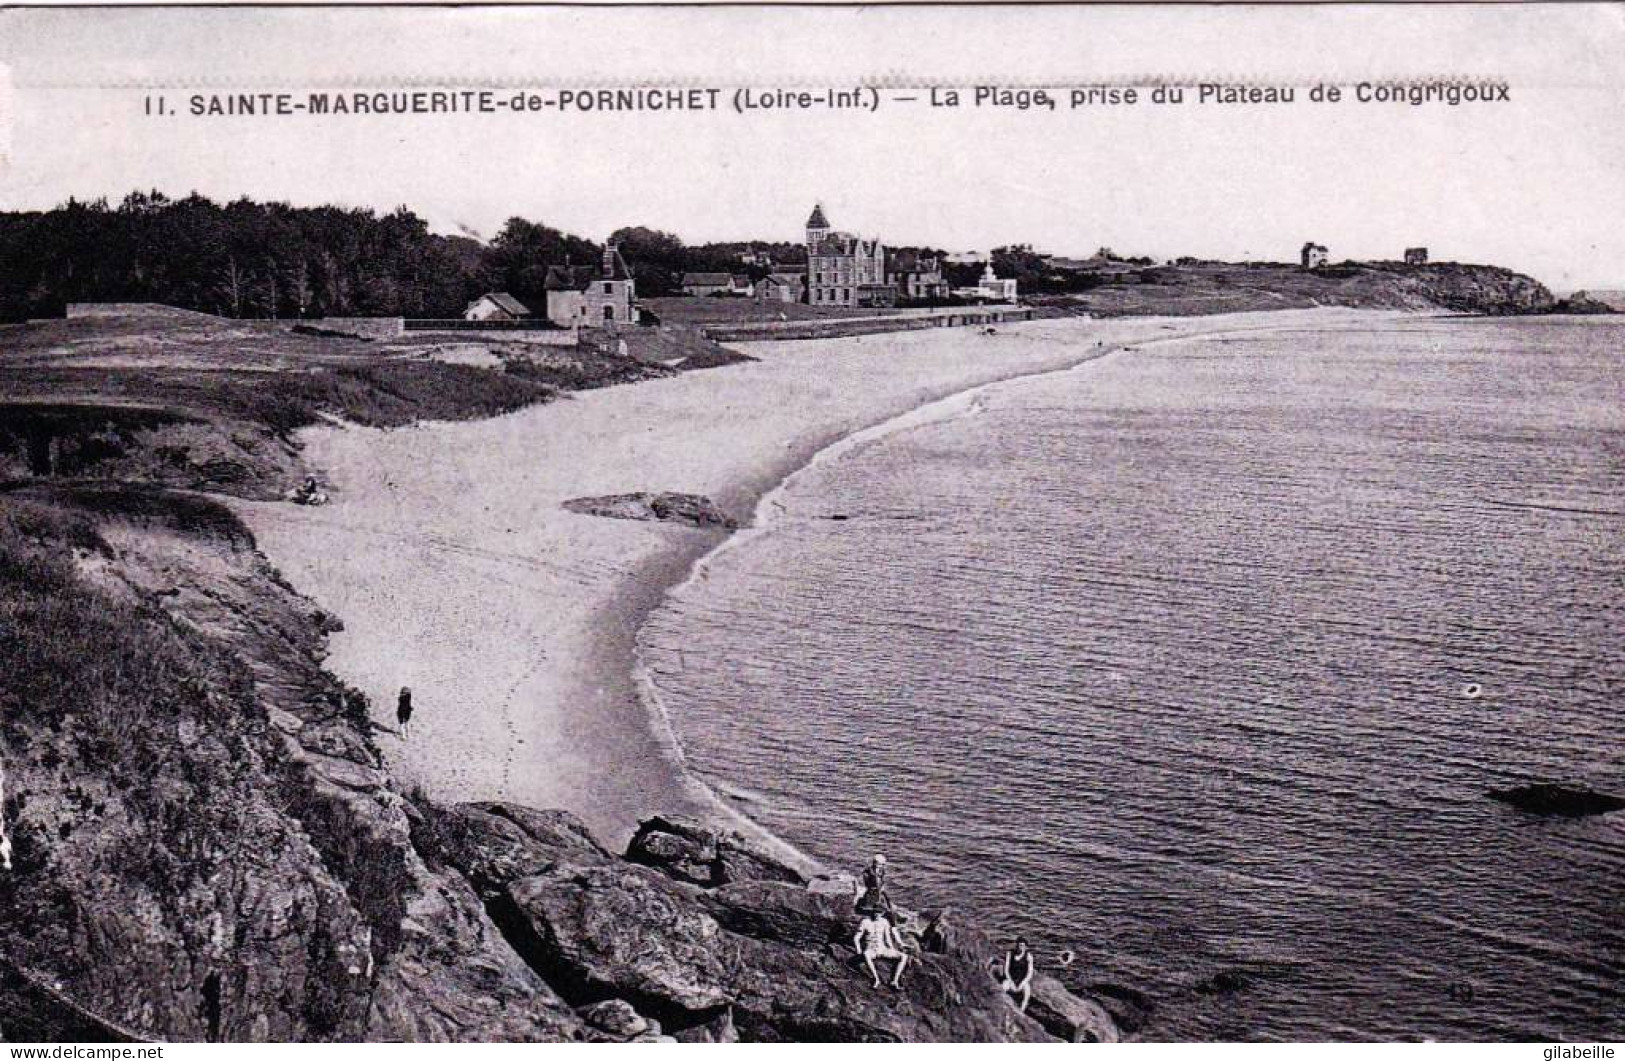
836	328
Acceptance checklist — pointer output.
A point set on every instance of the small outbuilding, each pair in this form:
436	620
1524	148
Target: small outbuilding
1314	255
782	287
1416	255
701	285
497	306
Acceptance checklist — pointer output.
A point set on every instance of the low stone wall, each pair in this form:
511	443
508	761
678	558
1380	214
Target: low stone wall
132	309
364	327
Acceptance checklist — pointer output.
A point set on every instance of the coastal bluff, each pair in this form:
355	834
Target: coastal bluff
207	845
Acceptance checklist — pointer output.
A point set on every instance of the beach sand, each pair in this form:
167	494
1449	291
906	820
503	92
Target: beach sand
456	572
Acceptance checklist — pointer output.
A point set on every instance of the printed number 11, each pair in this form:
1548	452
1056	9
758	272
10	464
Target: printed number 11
157	105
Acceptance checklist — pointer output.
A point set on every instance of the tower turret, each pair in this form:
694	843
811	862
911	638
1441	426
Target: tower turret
817	226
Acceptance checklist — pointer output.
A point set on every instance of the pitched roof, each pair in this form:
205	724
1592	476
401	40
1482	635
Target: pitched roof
788	279
706	279
618	269
817	218
567	277
914	262
506	302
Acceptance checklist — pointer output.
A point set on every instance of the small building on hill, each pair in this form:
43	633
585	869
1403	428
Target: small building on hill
703	285
497	306
1314	255
1416	255
586	297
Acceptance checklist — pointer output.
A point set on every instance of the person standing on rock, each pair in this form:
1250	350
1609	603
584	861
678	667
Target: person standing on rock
876	938
403	712
1018	973
872	897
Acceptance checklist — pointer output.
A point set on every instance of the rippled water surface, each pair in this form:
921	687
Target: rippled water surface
1166	660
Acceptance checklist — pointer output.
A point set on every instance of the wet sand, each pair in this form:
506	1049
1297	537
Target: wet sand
456	571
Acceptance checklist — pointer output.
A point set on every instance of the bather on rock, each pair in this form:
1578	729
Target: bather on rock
876	938
872	897
1018	974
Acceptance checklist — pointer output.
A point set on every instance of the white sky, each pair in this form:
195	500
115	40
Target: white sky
1538	184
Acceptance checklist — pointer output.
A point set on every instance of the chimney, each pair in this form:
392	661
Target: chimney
609	260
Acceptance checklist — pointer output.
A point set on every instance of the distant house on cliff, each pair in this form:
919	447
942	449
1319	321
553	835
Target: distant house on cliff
496	306
1416	255
585	297
1314	255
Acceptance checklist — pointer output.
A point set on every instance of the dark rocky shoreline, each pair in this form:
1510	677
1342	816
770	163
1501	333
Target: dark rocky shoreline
207	845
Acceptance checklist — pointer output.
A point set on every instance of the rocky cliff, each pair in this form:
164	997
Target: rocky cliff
1197	288
206	845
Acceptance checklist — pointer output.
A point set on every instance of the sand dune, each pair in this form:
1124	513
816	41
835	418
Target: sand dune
456	571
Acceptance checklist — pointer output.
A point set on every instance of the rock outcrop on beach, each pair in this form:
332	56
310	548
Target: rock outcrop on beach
688	509
206	844
1582	304
1561	801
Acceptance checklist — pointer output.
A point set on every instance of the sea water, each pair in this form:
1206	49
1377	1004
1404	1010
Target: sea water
1198	661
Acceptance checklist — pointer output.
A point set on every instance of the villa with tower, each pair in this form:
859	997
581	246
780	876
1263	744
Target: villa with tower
843	269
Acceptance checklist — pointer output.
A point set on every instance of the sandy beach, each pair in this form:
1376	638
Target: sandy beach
456	571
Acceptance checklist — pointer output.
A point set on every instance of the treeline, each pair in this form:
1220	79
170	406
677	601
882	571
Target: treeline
263	260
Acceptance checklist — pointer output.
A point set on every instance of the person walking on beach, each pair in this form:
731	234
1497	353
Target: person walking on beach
1018	973
872	897
403	712
876	938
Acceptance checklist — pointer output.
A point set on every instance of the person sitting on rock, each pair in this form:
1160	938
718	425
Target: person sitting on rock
938	937
872	897
1018	973
876	938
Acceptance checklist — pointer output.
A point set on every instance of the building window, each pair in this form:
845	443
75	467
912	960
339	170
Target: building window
609	289
609	313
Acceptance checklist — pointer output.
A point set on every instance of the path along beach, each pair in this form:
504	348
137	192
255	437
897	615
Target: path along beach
455	570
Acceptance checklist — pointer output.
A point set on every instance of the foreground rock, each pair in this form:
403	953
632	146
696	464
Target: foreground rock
689	509
1559	800
715	942
1068	1017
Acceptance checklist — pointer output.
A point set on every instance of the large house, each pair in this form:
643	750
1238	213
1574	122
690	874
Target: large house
496	306
916	276
590	298
843	269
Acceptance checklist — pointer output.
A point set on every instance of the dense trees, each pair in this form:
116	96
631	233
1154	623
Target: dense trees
251	259
243	259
